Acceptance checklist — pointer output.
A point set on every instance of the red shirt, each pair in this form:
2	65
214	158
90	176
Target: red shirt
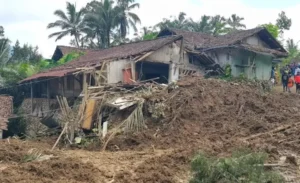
297	79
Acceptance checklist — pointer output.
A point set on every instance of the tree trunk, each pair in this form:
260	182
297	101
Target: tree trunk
108	39
76	40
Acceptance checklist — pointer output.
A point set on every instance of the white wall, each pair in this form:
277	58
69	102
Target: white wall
255	40
165	54
170	54
115	70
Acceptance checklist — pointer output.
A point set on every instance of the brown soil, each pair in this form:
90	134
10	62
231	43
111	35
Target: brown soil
201	115
216	116
54	170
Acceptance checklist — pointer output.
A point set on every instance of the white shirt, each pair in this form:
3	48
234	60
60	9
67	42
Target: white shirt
297	70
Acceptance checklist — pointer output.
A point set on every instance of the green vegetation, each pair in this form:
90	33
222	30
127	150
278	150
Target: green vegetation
98	24
273	29
241	167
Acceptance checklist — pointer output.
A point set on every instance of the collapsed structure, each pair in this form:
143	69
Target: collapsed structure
173	54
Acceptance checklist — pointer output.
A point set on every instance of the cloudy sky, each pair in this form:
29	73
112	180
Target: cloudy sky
26	20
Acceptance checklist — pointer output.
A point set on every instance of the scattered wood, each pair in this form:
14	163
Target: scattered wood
59	137
278	129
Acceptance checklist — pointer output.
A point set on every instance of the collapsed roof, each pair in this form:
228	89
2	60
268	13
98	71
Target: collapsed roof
195	42
204	42
94	58
61	51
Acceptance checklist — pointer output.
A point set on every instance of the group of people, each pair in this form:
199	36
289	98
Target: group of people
290	76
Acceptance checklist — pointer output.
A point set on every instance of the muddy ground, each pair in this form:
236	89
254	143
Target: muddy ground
213	116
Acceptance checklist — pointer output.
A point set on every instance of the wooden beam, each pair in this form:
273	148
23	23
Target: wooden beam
144	56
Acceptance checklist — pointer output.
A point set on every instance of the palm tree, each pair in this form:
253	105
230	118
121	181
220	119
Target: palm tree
71	23
218	25
100	22
1	31
4	47
291	45
292	48
201	26
179	22
126	18
235	22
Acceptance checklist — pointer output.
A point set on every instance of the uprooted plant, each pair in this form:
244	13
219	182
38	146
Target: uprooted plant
32	155
241	167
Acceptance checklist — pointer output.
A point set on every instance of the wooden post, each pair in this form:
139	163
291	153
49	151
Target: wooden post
48	94
31	96
62	84
84	81
181	51
73	86
133	71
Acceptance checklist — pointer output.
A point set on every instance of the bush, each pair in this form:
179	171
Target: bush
241	167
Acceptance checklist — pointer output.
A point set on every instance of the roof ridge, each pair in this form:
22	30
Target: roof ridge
140	41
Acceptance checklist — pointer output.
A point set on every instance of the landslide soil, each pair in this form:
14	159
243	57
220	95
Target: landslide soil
207	115
218	116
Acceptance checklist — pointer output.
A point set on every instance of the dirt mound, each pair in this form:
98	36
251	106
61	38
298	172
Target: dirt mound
216	116
13	150
54	170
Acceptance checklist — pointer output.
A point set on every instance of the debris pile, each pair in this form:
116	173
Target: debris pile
6	109
159	128
216	115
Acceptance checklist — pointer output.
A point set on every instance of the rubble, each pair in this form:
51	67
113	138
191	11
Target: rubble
169	125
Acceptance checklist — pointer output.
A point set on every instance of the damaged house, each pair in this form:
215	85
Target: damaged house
248	52
165	59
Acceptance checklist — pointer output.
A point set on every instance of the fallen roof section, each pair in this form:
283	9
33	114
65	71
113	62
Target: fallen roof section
263	50
61	51
54	73
94	58
191	38
237	37
196	40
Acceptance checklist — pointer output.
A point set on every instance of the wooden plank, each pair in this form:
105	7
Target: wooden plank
89	112
144	56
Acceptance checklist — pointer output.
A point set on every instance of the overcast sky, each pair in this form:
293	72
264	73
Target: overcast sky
26	20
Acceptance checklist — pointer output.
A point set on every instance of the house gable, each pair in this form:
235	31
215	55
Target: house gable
256	41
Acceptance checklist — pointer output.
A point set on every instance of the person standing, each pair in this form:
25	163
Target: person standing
297	70
273	76
285	80
297	82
